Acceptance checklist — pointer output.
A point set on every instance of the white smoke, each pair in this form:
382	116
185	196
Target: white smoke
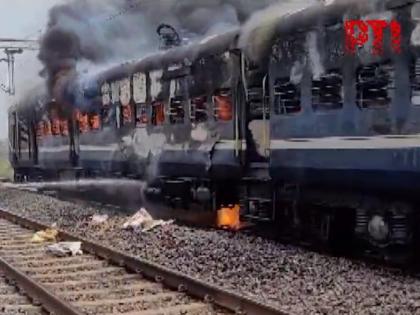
315	61
259	29
296	73
415	15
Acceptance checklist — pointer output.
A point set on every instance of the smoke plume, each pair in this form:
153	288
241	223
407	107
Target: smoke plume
92	32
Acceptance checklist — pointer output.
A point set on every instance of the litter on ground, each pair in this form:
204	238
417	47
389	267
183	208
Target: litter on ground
98	219
48	235
64	249
143	221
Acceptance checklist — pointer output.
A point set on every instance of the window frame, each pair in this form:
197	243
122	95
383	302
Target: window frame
277	98
391	86
323	107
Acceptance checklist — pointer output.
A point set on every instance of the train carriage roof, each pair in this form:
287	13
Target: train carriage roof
208	46
256	40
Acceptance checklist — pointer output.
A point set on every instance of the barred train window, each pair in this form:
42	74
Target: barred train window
327	91
287	97
176	105
223	105
415	82
23	136
198	109
177	113
375	83
158	114
141	115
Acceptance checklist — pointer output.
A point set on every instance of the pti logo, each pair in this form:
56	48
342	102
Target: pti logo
357	35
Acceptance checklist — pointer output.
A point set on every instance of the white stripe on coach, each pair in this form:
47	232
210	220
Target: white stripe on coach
346	143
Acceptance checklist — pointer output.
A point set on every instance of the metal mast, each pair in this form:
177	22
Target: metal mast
11	48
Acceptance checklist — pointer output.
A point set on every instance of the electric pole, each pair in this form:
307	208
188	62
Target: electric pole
12	47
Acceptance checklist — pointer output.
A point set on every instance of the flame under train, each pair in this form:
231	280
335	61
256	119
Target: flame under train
330	155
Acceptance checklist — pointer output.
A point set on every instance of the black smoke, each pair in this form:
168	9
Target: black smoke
103	31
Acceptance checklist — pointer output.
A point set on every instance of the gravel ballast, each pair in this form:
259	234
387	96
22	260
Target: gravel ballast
294	279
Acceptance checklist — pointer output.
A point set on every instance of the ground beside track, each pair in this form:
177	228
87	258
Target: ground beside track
299	281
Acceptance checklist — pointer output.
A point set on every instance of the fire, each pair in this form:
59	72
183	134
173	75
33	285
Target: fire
229	217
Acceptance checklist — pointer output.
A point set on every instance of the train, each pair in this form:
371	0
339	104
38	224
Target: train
321	144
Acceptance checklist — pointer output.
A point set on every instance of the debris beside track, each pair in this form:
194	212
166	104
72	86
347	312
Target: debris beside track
299	281
142	221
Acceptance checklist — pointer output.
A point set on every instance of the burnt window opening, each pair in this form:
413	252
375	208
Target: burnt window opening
64	127
126	115
55	127
12	129
158	114
47	128
94	121
223	105
287	97
199	109
83	122
107	116
176	110
23	136
327	91
40	129
55	123
259	105
141	115
375	83
23	131
415	82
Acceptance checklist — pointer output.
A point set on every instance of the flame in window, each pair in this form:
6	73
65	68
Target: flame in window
223	107
127	114
95	122
158	113
64	127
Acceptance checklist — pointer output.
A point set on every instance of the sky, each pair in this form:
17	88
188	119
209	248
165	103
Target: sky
21	19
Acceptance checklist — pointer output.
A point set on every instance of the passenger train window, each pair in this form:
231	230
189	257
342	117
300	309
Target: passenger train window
55	127
141	115
415	82
64	127
94	121
287	97
24	145
375	83
198	109
327	91
106	116
177	102
47	128
127	114
158	114
125	102
223	105
176	110
83	120
40	129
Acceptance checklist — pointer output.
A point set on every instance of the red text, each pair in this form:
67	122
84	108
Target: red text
357	35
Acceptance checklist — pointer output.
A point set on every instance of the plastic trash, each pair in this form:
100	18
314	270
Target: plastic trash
138	219
48	235
64	249
98	219
144	222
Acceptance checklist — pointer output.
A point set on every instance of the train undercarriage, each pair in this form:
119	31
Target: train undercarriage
344	222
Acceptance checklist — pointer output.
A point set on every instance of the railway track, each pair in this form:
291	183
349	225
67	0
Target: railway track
14	302
101	280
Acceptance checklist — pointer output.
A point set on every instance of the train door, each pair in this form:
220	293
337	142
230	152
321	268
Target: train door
257	194
256	115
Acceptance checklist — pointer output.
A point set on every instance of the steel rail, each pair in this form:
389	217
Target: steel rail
172	279
35	291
